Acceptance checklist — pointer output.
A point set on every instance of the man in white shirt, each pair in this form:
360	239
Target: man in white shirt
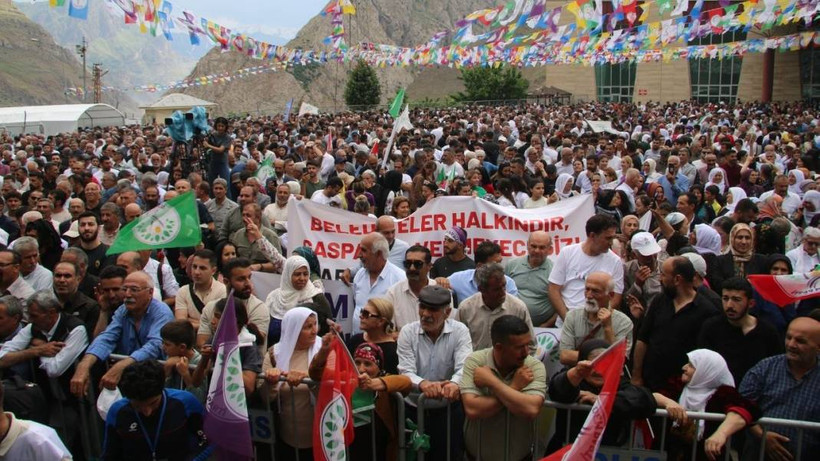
31	270
405	294
431	353
28	439
332	188
378	274
632	180
449	168
575	262
791	201
54	339
806	258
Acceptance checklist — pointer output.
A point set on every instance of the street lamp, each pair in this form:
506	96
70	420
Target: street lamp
81	50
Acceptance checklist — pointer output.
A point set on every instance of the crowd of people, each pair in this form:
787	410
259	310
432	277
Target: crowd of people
690	200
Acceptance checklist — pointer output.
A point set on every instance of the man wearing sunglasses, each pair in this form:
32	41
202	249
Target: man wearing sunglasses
405	294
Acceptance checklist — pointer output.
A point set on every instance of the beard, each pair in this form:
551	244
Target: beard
591	306
669	292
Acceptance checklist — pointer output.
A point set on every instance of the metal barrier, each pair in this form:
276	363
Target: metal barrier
90	435
765	423
89	419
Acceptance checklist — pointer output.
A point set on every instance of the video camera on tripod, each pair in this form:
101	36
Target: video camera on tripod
187	130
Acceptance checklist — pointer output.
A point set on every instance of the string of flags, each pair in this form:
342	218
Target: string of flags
491	37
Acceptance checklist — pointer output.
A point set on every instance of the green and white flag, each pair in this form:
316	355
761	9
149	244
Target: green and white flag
266	170
395	106
174	224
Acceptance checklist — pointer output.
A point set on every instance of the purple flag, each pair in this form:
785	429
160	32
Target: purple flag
226	411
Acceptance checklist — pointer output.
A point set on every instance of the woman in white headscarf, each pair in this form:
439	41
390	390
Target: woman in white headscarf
811	206
708	386
295	289
290	359
650	171
717	177
795	178
706	240
563	187
734	195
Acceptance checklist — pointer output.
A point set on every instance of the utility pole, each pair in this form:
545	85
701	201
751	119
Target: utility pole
97	75
81	50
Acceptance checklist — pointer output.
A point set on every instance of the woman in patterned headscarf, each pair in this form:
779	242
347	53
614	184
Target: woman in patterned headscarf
375	388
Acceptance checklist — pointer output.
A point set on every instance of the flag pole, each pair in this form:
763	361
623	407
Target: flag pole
331	323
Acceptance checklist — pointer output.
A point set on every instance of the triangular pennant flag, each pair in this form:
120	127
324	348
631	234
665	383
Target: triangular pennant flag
395	106
226	418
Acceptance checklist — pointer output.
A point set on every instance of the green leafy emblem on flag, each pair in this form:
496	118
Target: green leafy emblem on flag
333	422
174	224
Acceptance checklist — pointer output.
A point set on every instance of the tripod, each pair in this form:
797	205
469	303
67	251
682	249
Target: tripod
188	155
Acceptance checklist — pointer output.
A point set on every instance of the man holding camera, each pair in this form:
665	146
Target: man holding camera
218	144
674	183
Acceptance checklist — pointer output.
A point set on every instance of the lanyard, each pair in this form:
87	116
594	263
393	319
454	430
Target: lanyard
152	444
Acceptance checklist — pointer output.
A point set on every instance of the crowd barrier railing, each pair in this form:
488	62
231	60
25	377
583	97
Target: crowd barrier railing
90	435
537	449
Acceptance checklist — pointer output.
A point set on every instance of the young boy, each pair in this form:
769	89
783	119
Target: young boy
178	339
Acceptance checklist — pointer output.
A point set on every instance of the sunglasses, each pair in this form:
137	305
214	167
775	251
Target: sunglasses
414	264
367	315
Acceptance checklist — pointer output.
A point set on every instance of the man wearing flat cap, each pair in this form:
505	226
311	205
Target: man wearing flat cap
432	353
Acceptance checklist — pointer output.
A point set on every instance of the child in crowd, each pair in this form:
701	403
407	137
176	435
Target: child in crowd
178	340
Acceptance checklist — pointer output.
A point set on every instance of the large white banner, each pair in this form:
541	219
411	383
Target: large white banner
334	234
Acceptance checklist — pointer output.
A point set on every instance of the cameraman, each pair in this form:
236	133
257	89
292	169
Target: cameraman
218	144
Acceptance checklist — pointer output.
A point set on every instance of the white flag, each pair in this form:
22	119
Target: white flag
306	108
403	122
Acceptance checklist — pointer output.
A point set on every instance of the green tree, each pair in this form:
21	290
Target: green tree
363	90
488	83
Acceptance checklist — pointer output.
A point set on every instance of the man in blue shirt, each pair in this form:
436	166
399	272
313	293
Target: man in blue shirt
787	386
152	422
133	331
463	283
674	182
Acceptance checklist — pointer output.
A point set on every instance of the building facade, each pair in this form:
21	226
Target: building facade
773	76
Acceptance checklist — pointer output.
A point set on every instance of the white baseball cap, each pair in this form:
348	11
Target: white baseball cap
645	244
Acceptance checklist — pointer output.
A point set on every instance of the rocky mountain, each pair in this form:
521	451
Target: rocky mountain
35	70
379	21
131	58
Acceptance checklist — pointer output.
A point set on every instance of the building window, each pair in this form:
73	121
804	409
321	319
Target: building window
715	80
810	74
615	82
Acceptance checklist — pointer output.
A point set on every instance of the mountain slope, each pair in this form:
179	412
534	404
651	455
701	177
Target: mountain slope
132	59
378	21
36	71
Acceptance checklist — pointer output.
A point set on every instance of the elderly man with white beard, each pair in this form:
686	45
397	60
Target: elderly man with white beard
597	319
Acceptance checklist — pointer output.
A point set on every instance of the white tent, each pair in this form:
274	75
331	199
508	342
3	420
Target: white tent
51	120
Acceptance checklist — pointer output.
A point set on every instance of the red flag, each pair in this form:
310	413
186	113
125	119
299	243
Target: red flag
585	447
333	420
375	149
787	289
329	142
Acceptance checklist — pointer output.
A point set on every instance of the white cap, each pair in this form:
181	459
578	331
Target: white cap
697	261
502	138
73	230
675	218
645	244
